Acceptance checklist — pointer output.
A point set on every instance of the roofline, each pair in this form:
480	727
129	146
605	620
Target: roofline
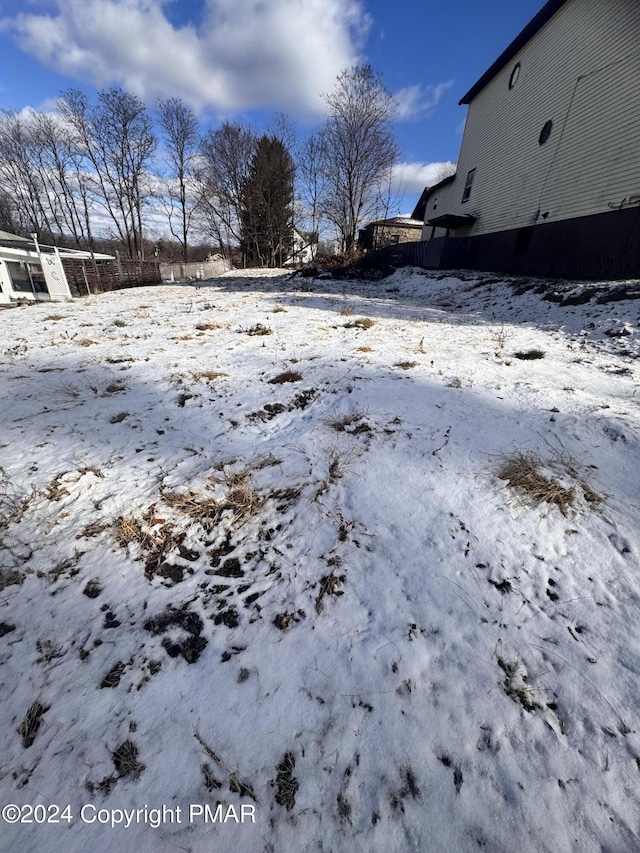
534	25
421	205
395	220
443	183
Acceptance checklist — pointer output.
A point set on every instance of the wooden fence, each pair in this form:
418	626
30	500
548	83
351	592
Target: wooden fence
85	276
438	253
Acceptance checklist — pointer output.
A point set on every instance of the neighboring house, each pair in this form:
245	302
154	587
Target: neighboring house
548	177
389	232
32	272
305	247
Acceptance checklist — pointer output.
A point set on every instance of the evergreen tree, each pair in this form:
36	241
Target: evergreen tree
267	205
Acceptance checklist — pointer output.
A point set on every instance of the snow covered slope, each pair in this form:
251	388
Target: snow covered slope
360	557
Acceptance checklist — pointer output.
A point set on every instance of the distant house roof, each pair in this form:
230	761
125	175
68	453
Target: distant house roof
534	25
410	221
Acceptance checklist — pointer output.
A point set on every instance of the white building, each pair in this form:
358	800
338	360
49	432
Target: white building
304	248
548	177
29	271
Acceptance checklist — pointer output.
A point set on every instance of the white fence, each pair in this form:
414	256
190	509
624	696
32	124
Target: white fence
194	271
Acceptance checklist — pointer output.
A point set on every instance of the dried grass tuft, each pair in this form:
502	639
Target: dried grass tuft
28	728
286	376
286	783
361	323
12	504
354	423
259	329
209	375
55	491
241	500
125	760
129	529
533	478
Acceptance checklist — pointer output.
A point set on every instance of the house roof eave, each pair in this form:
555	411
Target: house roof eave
452	220
534	25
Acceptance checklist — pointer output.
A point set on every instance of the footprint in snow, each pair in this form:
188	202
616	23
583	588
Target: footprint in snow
620	544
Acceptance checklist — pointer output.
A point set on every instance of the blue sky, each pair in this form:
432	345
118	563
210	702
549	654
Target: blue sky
246	59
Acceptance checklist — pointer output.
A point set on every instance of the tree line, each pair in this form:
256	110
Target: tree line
112	168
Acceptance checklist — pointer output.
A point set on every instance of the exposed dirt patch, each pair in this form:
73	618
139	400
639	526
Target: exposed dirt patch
112	678
271	410
189	647
329	585
286	376
285	620
125	760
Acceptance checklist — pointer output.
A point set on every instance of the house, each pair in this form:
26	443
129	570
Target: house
29	271
389	232
548	176
304	248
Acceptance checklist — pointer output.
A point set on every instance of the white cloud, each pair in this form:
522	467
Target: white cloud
416	100
414	177
246	53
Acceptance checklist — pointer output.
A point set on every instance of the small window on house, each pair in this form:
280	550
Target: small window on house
435	203
468	184
545	133
514	75
20	278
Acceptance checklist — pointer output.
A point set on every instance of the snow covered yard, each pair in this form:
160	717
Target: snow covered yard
261	544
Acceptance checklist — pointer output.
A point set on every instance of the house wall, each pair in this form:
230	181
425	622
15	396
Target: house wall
443	200
15	281
5	284
582	72
386	235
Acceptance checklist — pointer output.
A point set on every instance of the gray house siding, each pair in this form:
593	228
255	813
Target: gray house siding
581	72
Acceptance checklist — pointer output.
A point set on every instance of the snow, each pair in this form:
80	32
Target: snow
316	597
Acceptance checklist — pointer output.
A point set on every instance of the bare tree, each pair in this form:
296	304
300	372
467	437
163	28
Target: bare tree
44	174
18	178
182	143
62	172
8	217
359	150
116	136
311	180
442	171
223	168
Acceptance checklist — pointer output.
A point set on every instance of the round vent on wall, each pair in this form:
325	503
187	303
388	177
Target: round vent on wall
514	75
545	133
